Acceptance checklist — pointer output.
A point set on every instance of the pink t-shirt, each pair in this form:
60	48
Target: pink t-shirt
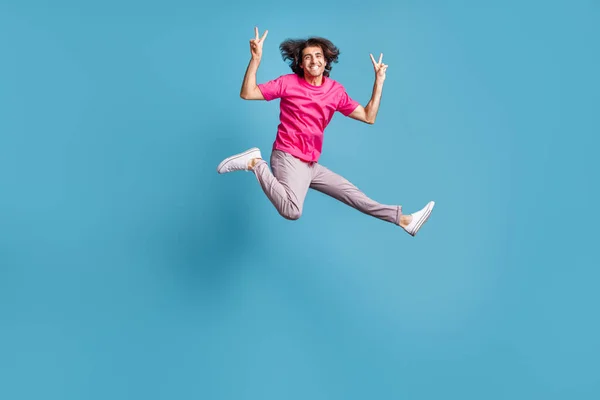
305	112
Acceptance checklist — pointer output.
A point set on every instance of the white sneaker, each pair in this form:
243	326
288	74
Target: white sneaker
419	218
238	162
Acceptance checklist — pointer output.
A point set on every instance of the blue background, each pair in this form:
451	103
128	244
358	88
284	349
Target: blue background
130	269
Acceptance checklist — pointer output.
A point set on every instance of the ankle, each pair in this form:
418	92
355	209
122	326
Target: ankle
253	162
405	220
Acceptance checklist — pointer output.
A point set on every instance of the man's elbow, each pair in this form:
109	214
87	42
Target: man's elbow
251	94
367	117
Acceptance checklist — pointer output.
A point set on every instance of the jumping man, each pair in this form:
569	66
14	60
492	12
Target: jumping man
309	99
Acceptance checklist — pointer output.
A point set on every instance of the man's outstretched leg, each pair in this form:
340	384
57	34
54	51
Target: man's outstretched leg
286	186
338	187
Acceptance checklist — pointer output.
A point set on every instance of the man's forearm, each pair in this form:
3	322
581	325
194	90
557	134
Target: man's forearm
250	77
372	107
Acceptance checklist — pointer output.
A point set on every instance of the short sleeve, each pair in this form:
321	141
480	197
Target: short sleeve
346	104
272	89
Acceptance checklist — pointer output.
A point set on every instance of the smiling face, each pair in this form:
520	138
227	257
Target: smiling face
313	62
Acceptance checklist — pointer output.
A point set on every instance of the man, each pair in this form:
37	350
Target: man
309	99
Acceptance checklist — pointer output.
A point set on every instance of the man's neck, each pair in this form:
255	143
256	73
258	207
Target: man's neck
314	80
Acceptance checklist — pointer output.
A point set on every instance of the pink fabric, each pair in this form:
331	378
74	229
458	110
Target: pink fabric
305	112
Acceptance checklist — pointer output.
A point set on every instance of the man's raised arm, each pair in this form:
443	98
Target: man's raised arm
250	90
368	113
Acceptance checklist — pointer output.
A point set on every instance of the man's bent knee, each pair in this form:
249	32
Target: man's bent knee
291	213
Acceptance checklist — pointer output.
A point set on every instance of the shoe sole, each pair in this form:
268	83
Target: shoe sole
234	157
424	217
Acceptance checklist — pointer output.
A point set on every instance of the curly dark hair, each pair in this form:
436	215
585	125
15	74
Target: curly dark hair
291	50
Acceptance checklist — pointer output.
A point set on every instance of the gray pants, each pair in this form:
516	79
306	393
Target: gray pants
291	178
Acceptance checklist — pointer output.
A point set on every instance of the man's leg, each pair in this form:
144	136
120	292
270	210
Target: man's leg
336	186
339	188
287	185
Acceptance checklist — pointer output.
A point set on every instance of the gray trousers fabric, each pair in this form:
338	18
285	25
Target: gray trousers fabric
286	187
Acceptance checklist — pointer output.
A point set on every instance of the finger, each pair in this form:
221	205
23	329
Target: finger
372	59
380	57
264	36
256	32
